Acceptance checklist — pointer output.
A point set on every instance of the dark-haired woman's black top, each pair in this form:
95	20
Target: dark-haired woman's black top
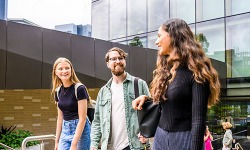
186	107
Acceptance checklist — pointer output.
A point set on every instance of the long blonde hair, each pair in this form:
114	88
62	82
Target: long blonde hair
57	81
188	52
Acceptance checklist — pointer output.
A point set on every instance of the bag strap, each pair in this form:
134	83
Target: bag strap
76	86
89	104
57	92
136	88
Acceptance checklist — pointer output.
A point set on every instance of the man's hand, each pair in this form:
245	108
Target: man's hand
142	139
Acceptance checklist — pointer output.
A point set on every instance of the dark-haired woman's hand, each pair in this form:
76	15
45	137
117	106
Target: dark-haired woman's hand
138	102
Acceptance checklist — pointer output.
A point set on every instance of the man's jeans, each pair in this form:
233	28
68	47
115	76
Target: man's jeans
67	134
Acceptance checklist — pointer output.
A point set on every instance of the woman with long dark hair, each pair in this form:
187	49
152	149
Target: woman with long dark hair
185	84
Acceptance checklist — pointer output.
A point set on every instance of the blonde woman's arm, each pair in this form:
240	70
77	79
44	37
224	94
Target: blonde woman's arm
82	113
58	126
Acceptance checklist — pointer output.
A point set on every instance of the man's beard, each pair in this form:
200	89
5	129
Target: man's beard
118	72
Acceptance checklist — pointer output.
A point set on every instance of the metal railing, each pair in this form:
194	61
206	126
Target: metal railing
5	146
238	146
37	138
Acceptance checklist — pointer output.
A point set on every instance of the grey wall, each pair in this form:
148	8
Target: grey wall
2	53
24	56
27	54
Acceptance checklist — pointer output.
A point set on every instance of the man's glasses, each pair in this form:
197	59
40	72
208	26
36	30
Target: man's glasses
114	59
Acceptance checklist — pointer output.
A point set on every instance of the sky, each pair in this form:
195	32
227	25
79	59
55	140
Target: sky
48	13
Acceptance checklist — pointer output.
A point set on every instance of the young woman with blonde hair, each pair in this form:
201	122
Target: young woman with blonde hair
73	127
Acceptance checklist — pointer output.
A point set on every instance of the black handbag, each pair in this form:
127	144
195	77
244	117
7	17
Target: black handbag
149	116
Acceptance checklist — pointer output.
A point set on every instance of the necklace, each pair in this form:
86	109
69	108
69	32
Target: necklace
64	92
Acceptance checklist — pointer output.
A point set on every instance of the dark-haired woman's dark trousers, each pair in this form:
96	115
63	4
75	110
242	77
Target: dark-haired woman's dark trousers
165	140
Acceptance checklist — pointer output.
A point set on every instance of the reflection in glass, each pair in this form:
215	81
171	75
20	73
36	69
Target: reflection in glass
237	6
209	9
142	39
238	45
184	9
100	20
213	31
192	27
117	19
152	37
121	41
136	17
158	13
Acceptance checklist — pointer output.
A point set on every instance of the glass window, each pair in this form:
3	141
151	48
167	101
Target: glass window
157	16
192	27
238	45
213	38
117	19
136	17
209	9
121	41
151	40
237	6
184	9
100	23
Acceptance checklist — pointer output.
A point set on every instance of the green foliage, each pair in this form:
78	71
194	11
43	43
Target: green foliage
136	42
14	139
6	130
200	37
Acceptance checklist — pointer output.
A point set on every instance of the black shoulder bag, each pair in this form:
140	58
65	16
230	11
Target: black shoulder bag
149	116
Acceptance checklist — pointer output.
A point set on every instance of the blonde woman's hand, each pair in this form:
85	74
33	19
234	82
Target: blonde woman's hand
138	102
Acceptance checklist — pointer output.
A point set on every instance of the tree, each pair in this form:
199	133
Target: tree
200	37
136	42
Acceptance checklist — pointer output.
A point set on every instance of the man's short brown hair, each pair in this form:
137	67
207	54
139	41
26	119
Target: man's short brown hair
120	51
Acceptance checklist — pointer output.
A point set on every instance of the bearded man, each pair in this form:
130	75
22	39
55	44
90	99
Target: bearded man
115	122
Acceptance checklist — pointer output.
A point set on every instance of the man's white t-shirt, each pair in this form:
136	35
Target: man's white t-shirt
119	136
